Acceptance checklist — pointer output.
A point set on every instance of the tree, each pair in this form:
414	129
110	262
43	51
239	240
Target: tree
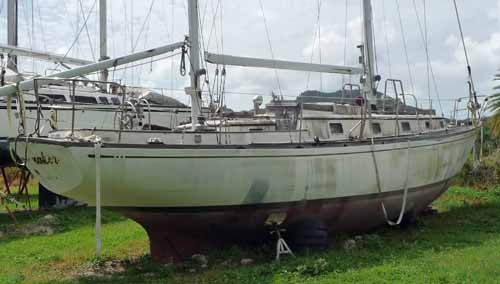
494	106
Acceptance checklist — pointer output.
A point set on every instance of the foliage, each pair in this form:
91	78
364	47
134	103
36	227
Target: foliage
459	245
484	176
494	106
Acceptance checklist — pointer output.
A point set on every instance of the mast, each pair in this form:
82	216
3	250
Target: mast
194	57
12	38
368	52
103	46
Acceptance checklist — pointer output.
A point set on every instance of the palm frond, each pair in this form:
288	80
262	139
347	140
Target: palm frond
494	124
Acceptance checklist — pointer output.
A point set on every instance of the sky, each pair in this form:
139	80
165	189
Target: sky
279	29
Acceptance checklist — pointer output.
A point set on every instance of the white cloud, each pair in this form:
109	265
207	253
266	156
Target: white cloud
291	24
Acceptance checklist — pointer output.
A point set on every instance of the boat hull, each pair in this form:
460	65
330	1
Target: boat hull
182	194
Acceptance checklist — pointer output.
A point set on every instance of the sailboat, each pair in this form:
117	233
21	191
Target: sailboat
94	102
341	166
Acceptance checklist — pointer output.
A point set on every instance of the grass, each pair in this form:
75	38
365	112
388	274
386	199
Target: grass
459	245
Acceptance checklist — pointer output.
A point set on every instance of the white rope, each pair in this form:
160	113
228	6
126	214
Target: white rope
405	194
379	184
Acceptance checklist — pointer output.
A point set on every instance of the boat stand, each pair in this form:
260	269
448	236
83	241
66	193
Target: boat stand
282	247
22	176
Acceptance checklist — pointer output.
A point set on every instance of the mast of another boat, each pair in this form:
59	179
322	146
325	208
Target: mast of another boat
103	46
368	50
194	58
12	37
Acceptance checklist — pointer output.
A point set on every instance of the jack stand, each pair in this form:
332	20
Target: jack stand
281	246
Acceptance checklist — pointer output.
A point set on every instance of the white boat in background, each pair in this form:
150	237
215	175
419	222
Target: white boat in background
95	106
343	166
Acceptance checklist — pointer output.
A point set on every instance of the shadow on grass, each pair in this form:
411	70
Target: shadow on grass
66	219
465	222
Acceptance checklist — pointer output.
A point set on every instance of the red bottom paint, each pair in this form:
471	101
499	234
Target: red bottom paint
177	235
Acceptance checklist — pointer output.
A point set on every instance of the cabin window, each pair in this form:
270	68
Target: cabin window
406	126
376	128
336	128
85	100
427	125
259	129
104	100
115	101
56	98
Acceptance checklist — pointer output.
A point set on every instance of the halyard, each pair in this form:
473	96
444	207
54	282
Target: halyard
461	244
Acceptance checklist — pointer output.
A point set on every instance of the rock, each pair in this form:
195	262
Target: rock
192	270
358	238
246	261
200	259
112	266
373	237
89	274
47	220
349	244
2	234
49	217
228	263
37	230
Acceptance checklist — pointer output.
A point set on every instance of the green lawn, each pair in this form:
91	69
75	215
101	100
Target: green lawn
459	245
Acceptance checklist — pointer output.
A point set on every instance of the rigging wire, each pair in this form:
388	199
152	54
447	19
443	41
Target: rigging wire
317	36
426	46
79	32
375	53
41	24
202	55
172	15
386	36
426	41
469	69
319	45
87	32
405	47
146	20
346	15
270	46
33	32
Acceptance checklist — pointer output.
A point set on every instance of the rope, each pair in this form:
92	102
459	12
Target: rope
270	46
406	186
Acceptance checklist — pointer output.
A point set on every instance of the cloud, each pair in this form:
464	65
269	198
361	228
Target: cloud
291	25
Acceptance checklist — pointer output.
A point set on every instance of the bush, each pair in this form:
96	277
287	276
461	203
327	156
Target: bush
485	176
